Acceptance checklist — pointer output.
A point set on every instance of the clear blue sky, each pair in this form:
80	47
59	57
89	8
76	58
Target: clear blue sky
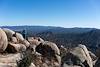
64	13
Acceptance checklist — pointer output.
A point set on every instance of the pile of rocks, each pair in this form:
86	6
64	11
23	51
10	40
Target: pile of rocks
35	52
12	44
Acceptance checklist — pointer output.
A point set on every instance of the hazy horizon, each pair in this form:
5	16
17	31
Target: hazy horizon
59	13
48	26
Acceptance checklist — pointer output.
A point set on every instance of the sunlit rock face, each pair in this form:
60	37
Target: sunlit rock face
82	52
78	56
3	40
19	37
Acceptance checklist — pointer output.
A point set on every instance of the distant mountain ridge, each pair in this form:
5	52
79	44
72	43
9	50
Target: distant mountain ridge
39	29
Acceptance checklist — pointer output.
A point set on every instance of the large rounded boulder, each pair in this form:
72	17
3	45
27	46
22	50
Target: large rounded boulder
77	56
3	40
50	53
53	46
9	33
46	47
19	37
83	54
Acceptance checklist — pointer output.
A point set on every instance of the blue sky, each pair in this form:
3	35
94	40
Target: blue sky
64	13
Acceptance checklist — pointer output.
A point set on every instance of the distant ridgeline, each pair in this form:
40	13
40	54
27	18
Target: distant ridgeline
69	37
